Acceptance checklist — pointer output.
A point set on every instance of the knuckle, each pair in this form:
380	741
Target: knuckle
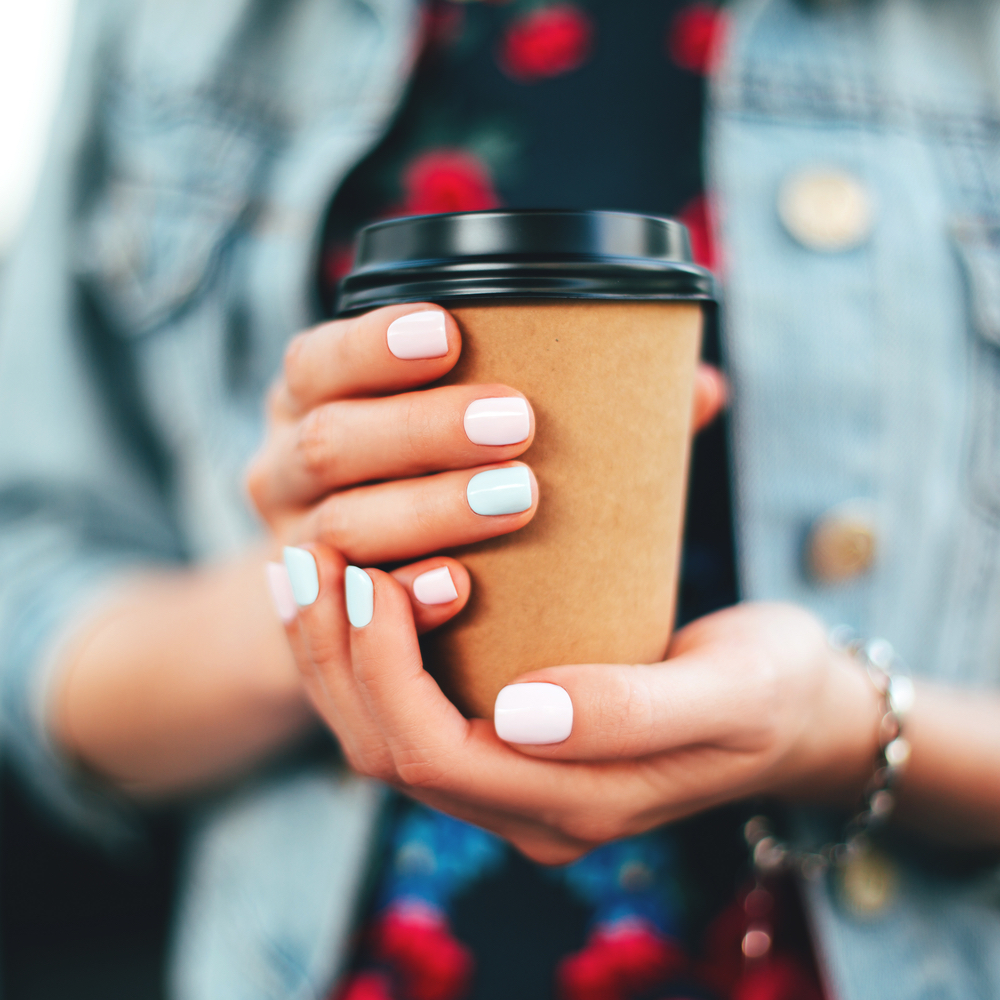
366	671
426	507
328	649
421	773
315	443
625	711
429	766
332	525
417	429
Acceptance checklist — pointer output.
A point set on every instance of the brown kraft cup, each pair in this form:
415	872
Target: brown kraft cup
596	317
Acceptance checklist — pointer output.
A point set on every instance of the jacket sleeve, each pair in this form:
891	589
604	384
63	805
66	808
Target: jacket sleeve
82	495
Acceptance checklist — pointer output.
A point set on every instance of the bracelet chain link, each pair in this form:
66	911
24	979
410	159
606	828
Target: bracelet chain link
895	691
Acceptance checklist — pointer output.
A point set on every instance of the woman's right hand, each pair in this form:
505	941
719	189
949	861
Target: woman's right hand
357	459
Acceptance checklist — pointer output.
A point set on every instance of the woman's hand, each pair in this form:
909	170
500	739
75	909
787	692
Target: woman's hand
751	700
184	677
354	458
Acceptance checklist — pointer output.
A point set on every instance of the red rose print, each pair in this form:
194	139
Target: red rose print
619	962
545	43
694	37
429	961
367	986
447	180
696	215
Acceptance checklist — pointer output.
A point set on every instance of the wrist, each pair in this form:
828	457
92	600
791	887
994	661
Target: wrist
834	760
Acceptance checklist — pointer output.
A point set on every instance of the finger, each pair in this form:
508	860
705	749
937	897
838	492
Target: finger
386	350
362	440
711	392
394	722
613	711
399	521
434	748
438	589
461	764
417	721
556	810
318	635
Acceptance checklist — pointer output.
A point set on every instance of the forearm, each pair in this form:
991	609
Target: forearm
951	788
183	682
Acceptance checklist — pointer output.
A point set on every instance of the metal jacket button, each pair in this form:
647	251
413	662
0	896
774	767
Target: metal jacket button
841	543
825	209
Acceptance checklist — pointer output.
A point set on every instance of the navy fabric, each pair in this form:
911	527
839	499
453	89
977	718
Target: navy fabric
523	143
474	133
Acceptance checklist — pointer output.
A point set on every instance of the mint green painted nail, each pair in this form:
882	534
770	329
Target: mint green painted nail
303	575
360	592
500	491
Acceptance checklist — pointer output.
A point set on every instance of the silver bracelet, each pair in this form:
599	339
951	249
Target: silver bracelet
895	689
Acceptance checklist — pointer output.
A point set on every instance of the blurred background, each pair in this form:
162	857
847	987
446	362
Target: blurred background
73	921
34	38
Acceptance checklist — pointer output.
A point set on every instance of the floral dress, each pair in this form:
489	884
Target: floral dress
529	104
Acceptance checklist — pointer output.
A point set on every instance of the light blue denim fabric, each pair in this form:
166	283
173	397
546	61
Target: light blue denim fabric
171	255
872	374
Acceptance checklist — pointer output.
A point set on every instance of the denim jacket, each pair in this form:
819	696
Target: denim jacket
170	257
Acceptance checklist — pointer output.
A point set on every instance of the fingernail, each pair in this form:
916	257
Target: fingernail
503	420
534	713
280	586
435	587
418	335
500	491
360	593
303	575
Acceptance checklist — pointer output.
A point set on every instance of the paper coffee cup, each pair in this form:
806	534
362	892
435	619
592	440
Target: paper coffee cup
596	317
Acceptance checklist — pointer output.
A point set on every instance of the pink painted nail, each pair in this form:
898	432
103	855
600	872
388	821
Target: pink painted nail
503	420
533	713
435	587
418	335
280	587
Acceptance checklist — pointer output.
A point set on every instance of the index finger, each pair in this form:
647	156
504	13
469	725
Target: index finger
386	350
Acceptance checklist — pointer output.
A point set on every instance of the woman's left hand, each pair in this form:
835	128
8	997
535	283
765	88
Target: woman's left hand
751	700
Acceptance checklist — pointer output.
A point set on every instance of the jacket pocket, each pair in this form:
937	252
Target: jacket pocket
978	242
174	180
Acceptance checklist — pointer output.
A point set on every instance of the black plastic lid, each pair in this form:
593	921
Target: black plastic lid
538	254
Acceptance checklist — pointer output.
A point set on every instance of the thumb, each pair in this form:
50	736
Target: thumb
614	711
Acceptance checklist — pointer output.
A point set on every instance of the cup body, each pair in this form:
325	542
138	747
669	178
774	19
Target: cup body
593	577
596	317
